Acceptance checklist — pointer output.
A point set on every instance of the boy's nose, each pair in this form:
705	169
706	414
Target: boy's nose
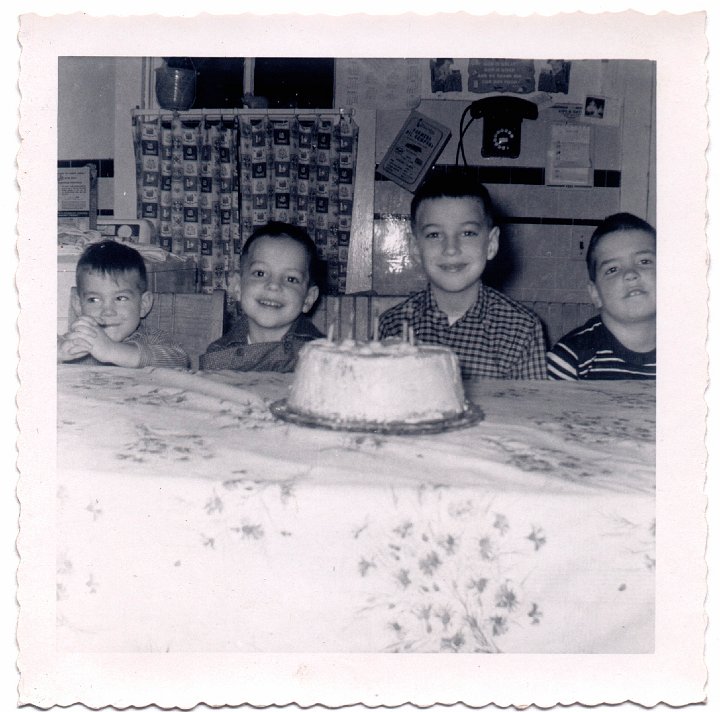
450	245
108	308
631	273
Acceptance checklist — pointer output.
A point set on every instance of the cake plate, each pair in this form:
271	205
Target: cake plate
471	415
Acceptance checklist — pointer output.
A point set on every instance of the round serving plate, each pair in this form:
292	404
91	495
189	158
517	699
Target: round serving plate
471	415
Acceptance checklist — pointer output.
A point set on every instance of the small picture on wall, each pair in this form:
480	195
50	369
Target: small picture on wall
594	107
443	77
554	76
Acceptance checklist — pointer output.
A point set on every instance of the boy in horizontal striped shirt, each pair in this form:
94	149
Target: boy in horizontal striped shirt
618	343
455	234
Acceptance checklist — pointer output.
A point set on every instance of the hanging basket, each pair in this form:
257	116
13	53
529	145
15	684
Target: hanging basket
175	88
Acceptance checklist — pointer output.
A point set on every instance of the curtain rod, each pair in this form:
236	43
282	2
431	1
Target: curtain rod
236	111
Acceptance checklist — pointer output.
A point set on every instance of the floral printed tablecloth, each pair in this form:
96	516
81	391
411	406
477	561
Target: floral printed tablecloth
190	519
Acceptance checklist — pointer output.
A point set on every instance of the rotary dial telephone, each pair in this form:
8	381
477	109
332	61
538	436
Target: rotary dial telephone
502	118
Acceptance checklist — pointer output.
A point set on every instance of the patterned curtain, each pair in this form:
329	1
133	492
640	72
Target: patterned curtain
207	182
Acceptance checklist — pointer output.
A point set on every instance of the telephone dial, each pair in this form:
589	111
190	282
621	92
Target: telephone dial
502	118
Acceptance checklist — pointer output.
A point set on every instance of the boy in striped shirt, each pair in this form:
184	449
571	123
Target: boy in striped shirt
618	343
111	299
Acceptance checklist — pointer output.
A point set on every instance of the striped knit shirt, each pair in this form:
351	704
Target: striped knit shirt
496	338
592	352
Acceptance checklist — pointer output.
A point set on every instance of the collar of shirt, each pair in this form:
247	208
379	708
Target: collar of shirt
475	313
302	328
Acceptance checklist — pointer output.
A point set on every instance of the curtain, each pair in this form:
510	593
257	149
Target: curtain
207	182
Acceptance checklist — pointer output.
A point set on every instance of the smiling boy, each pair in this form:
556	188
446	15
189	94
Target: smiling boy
618	343
278	286
455	235
111	299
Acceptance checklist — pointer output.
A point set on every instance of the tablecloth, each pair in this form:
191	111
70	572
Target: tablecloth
189	518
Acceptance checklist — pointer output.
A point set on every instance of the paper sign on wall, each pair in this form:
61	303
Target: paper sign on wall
78	197
414	150
569	156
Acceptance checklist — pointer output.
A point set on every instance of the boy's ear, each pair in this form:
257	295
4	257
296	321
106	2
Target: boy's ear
415	254
594	295
75	301
493	242
146	302
234	285
310	298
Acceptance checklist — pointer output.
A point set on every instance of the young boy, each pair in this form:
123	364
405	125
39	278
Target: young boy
278	286
618	343
455	234
111	298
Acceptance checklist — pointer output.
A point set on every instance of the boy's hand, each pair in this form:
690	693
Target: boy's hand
86	332
70	348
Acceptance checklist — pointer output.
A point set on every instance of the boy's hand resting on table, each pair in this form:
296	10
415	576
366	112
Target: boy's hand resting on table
69	349
87	336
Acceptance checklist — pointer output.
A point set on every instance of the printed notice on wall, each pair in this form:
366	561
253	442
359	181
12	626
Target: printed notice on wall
568	161
513	75
414	150
378	83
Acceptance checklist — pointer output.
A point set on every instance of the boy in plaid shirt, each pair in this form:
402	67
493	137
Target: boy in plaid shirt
453	224
279	272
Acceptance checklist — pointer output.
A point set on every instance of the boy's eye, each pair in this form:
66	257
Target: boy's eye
293	280
469	233
647	261
122	298
611	270
258	273
432	235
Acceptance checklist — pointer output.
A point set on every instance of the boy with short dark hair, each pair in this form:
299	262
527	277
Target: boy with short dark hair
618	343
111	299
279	274
455	234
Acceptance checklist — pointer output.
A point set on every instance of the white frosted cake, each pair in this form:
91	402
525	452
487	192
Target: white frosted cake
376	382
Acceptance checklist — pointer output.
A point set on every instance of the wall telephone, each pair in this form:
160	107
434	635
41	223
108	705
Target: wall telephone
502	118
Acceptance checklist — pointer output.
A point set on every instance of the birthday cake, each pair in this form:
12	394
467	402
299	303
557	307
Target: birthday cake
376	382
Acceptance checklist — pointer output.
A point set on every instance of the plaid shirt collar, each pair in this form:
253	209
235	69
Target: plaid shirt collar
475	313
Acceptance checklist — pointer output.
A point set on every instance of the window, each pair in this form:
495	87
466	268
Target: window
286	82
296	83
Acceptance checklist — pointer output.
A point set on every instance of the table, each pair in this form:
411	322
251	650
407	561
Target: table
190	519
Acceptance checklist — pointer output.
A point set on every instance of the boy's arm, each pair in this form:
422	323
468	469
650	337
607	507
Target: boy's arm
533	363
390	323
156	348
562	363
